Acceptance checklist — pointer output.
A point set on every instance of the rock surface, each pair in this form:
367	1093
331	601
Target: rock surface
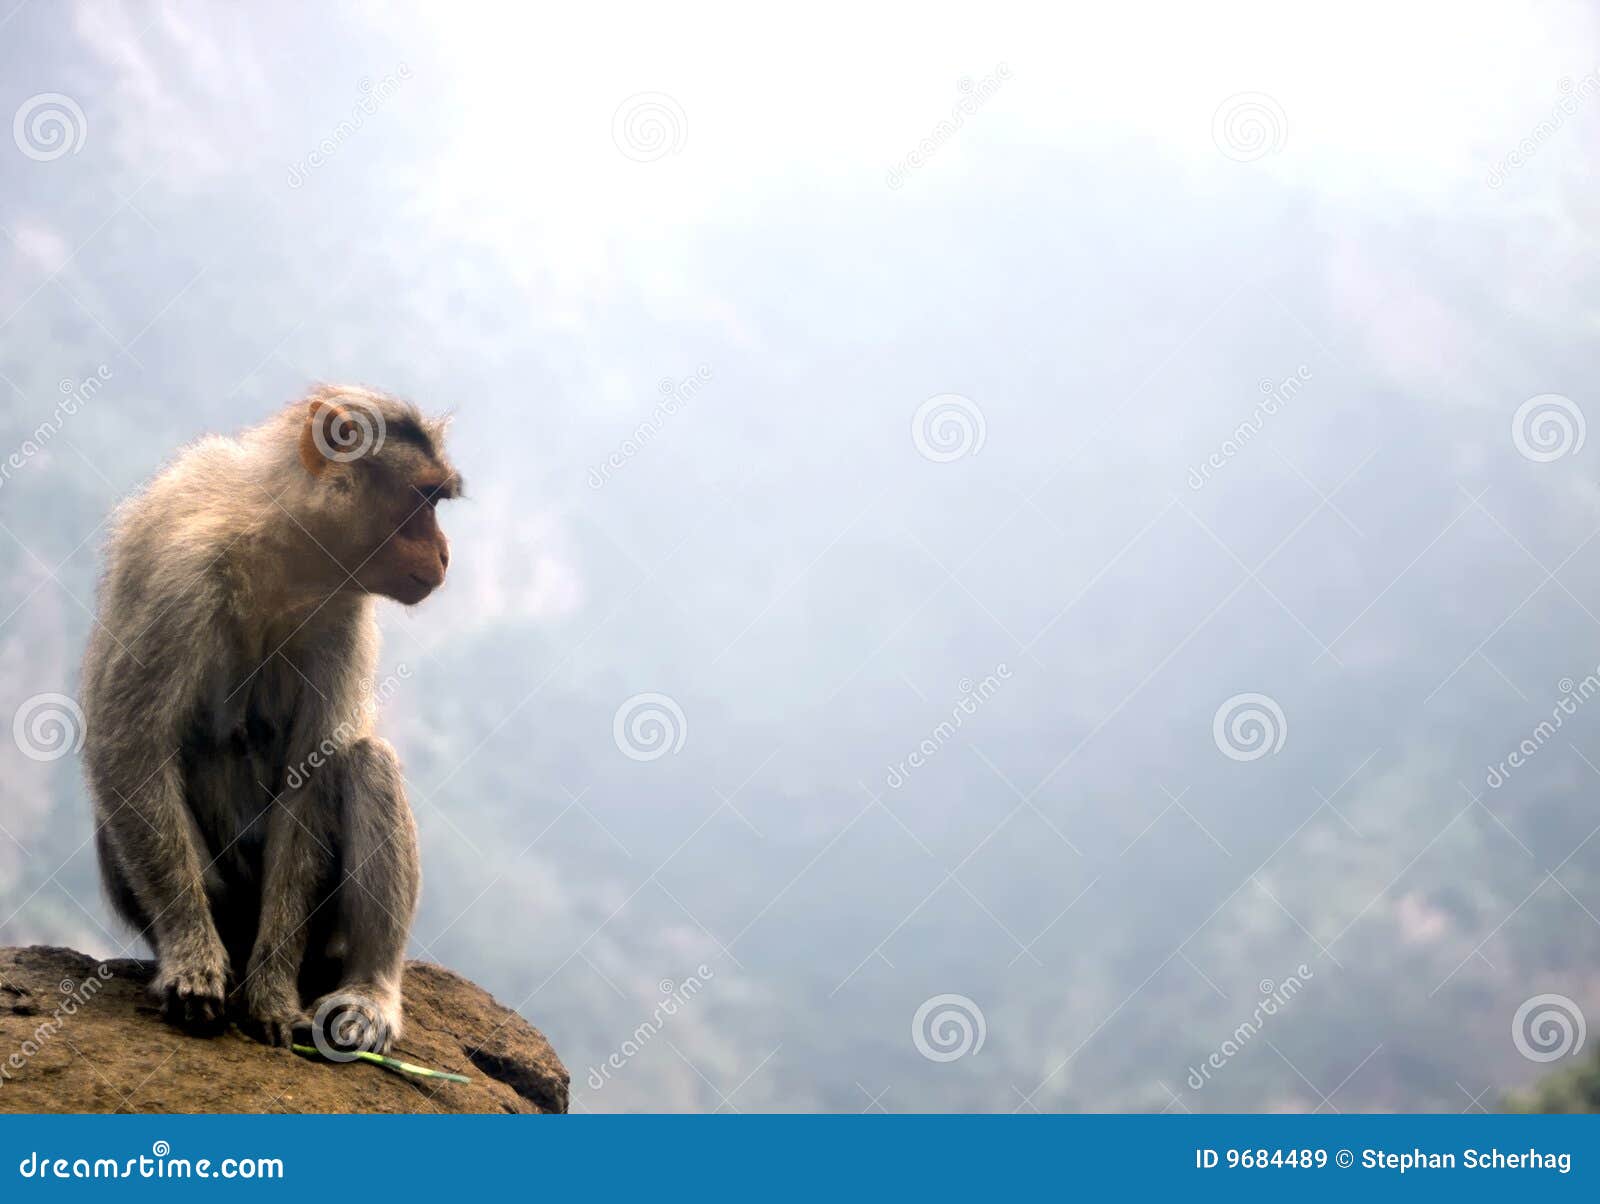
77	1035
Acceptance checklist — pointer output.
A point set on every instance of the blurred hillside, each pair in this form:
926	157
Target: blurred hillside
956	509
1576	1089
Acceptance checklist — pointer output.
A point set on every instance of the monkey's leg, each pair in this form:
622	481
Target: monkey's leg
375	895
155	857
298	857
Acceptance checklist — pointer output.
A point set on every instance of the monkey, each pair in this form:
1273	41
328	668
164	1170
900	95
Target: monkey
234	644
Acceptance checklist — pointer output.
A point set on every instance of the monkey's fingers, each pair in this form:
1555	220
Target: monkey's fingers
280	1033
277	1031
195	1009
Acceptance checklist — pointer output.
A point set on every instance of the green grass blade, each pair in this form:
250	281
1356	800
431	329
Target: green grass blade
394	1064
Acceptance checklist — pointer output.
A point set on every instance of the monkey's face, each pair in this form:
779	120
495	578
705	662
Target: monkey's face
380	491
410	562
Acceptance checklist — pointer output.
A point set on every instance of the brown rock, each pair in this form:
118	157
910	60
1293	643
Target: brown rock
77	1035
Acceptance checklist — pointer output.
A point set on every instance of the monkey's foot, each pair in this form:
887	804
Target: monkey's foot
272	1014
193	991
356	1017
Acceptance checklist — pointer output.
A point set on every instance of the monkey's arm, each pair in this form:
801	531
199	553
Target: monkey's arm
144	825
294	861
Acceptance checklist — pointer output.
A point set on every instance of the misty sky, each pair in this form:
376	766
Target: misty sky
1091	377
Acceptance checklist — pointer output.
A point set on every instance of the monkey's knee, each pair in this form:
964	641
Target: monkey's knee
375	818
369	769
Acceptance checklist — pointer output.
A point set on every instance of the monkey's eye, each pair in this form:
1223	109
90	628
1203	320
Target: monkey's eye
434	491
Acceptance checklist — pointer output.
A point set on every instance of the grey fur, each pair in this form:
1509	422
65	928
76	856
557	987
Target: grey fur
235	634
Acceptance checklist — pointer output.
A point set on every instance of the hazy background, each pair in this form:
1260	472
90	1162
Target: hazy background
1115	261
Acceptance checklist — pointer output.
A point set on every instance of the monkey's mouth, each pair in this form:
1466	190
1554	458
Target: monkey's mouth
412	589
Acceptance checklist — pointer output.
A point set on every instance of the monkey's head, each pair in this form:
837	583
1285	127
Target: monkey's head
377	471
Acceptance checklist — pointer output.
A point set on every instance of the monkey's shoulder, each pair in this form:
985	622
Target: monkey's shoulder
198	501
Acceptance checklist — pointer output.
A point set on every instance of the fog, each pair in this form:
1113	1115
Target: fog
996	543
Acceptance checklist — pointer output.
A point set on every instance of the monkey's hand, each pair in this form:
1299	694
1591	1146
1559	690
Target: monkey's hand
191	983
272	1007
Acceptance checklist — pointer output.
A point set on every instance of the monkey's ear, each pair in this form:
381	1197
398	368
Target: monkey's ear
319	435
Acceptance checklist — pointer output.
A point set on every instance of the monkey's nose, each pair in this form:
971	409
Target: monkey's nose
444	555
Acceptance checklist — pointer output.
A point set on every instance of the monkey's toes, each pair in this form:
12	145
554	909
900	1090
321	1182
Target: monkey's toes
279	1030
351	1021
381	1040
200	1008
278	1033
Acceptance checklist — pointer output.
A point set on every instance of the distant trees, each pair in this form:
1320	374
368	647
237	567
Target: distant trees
1575	1089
